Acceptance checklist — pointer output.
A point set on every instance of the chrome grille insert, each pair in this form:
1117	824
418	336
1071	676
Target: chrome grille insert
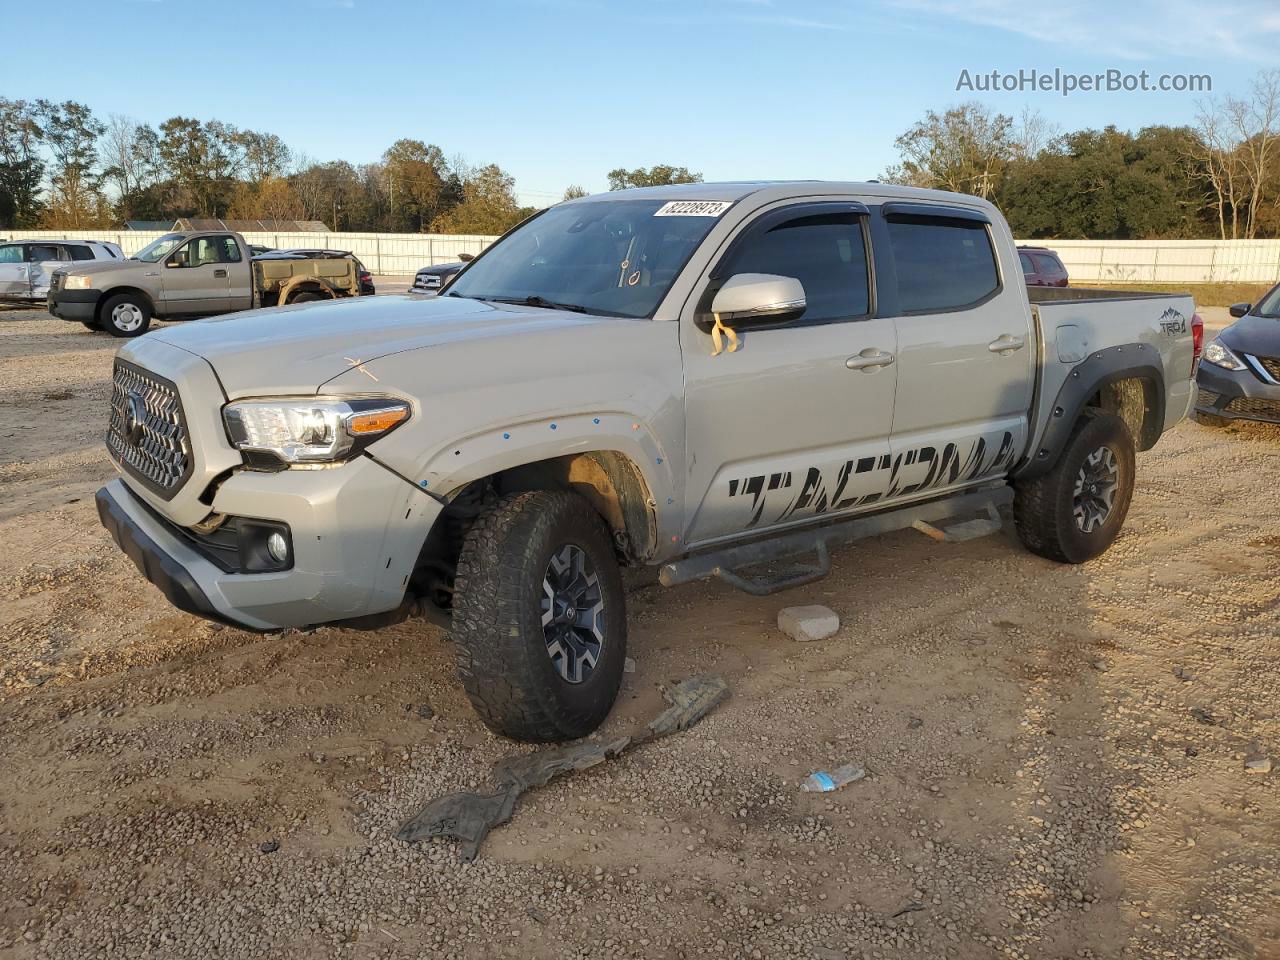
147	433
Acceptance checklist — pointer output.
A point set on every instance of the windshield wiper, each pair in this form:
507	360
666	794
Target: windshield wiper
537	301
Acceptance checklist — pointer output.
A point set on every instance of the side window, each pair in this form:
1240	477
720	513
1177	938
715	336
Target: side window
826	253
80	253
205	250
942	264
42	252
11	253
1027	268
228	249
1049	265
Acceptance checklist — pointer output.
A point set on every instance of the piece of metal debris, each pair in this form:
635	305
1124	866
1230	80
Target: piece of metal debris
909	908
270	846
468	817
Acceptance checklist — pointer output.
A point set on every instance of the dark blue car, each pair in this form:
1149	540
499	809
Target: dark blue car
1239	376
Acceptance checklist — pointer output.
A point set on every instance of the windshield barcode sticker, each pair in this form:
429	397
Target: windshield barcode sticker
693	208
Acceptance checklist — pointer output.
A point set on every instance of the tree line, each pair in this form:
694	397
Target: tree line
61	167
1217	177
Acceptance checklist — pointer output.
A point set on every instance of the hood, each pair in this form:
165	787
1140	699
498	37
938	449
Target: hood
282	350
97	267
1251	334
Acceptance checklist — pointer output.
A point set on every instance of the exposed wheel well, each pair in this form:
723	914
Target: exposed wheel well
1133	400
609	481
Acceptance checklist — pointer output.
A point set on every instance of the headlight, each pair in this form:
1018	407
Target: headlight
78	283
312	429
1220	355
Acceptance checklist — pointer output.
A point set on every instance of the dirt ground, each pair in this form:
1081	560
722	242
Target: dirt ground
1056	755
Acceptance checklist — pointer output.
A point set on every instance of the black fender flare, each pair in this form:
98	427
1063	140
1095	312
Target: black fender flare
1124	362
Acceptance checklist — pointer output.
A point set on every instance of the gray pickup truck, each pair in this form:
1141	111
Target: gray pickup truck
194	274
706	377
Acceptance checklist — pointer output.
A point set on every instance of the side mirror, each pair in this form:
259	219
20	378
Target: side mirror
172	262
1239	309
759	297
466	257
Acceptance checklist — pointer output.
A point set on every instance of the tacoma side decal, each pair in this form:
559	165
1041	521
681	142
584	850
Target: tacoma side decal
1172	322
866	480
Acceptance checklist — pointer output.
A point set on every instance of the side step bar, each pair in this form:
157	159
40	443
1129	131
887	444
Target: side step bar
725	562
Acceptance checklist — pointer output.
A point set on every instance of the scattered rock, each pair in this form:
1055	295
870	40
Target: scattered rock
1204	716
270	846
1183	674
628	665
914	723
425	711
1257	763
1100	665
813	622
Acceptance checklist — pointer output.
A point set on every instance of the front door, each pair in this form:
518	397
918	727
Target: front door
13	272
195	276
795	423
965	353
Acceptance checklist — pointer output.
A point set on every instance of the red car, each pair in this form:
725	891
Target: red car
1041	267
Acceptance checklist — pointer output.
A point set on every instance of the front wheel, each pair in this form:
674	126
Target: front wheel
1075	511
539	618
125	315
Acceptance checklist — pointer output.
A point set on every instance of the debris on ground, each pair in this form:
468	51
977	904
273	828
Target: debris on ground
914	723
1183	674
1204	716
628	665
820	781
909	908
270	846
813	622
469	817
1257	763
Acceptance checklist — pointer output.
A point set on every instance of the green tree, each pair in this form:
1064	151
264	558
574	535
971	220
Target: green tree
21	168
417	184
966	149
204	160
655	176
71	134
488	204
573	192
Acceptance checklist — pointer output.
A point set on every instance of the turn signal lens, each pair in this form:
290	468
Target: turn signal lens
376	421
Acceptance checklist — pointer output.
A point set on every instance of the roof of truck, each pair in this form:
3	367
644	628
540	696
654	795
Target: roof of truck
783	189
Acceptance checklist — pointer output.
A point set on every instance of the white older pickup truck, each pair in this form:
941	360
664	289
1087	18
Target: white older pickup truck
706	377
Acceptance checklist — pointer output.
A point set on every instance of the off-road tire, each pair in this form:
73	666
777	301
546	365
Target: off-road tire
502	652
1044	508
121	300
1209	419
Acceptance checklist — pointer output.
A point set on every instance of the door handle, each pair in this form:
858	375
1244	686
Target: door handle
219	273
1006	344
869	359
153	273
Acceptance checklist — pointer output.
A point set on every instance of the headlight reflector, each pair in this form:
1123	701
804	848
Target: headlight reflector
77	283
1220	355
312	429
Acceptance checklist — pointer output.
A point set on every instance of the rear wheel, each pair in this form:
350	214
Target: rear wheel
1074	512
125	315
306	297
539	618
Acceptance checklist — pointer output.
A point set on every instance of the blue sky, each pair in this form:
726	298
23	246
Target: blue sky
561	91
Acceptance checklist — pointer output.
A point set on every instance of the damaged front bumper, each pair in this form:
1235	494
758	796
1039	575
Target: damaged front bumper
356	532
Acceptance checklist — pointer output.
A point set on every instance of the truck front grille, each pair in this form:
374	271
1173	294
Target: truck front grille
147	433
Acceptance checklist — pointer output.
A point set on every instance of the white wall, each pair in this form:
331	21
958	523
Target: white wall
382	253
1088	261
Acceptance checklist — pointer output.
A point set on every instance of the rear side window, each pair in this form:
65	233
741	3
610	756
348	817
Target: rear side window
1027	267
942	264
80	253
1049	264
44	252
826	253
230	250
11	254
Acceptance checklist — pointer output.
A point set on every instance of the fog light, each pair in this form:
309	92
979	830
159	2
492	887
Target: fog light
278	548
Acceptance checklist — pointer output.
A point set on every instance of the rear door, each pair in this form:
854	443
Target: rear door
13	271
794	424
195	278
43	259
965	350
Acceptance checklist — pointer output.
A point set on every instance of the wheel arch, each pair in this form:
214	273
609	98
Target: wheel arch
1127	380
115	292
